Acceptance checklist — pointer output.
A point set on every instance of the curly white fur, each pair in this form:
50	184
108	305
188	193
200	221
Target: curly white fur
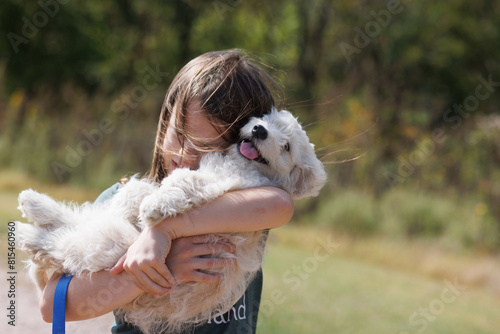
84	239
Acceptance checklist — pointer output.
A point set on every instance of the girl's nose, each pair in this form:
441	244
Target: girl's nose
188	165
188	158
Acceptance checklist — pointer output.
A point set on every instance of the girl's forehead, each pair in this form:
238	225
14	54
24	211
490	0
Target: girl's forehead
198	126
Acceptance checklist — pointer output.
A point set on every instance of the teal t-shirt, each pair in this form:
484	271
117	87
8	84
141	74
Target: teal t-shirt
240	319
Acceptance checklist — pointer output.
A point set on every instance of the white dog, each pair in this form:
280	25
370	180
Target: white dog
274	151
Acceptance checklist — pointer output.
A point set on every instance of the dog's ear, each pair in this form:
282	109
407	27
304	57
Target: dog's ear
306	181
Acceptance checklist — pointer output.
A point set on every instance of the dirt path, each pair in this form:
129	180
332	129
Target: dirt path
28	319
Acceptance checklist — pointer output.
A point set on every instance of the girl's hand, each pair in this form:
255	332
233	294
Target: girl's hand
145	262
190	256
186	259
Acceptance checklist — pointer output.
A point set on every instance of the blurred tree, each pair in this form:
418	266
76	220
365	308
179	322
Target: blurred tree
313	23
412	61
46	45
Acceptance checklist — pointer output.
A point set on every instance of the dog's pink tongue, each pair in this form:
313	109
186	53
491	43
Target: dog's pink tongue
248	150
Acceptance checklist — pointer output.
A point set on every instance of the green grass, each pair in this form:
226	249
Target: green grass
346	294
457	221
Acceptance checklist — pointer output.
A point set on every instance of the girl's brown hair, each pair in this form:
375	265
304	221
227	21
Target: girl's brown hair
230	90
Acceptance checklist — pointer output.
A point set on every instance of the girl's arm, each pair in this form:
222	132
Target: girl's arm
237	211
90	298
245	210
103	292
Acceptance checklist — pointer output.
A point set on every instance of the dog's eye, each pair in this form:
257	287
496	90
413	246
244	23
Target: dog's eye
286	147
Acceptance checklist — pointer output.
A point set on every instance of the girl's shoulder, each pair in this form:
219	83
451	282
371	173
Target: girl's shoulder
108	193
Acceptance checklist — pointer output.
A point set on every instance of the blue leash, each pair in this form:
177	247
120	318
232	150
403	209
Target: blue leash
59	307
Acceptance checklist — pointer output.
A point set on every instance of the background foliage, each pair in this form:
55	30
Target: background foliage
410	88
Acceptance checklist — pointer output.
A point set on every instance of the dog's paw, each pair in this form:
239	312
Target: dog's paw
150	211
42	210
155	208
30	204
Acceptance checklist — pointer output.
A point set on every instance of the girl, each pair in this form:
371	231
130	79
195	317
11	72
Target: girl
208	102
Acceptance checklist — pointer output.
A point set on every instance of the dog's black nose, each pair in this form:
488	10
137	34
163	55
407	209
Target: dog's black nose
259	132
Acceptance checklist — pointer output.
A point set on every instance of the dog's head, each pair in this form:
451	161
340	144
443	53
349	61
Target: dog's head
281	150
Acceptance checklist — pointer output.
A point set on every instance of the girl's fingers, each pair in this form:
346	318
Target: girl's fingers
118	267
212	249
200	239
144	282
162	275
207	238
202	277
207	264
212	263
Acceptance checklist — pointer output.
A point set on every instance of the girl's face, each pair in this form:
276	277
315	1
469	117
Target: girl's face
197	124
